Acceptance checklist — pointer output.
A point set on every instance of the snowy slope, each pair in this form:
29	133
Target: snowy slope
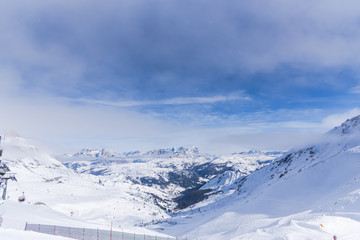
11	234
130	189
309	193
289	198
58	195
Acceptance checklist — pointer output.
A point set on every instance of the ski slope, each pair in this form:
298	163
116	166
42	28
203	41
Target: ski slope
291	198
57	195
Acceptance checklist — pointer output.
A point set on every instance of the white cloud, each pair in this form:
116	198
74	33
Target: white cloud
171	101
60	123
70	42
337	119
10	81
355	90
57	122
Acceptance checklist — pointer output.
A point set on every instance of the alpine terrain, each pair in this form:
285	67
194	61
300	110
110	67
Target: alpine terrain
96	188
309	193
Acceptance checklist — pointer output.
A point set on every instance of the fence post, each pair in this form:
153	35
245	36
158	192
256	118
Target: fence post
111	231
25	226
54	230
69	232
97	233
83	233
134	236
122	236
39	228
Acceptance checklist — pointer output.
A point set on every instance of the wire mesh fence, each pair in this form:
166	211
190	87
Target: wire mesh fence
90	234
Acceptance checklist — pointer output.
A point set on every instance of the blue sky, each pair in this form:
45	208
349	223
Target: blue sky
225	76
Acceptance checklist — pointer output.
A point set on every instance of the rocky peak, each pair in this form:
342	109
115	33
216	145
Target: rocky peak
349	126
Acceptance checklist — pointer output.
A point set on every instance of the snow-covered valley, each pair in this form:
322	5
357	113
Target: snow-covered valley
307	193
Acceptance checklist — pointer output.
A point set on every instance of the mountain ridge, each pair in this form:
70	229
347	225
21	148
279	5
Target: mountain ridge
104	153
304	184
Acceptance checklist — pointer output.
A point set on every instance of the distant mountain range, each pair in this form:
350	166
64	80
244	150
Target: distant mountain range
178	173
107	154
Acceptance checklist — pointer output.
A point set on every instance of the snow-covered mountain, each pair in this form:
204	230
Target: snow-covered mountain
58	195
309	193
106	154
95	187
177	174
350	126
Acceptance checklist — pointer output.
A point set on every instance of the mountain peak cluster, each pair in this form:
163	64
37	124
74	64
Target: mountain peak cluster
105	153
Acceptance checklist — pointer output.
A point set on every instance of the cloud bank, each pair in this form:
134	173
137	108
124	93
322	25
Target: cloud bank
178	47
217	74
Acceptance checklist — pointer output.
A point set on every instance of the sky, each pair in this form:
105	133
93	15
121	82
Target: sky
225	76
